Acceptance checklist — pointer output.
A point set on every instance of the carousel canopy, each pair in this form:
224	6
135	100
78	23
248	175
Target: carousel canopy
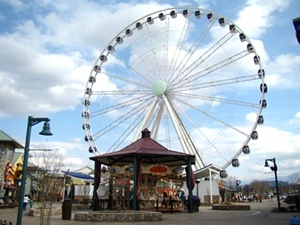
148	150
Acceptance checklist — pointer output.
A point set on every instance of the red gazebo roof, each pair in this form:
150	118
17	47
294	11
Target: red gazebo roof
148	150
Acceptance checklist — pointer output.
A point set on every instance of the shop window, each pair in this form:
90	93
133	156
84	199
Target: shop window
10	154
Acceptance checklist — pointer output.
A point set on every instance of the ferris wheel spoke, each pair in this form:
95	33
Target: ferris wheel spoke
136	72
211	143
126	133
122	92
153	50
215	83
178	49
185	71
187	57
141	60
120	120
166	51
218	99
212	68
214	118
129	81
119	105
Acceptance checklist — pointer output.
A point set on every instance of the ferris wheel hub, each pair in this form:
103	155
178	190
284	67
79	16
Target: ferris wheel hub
159	87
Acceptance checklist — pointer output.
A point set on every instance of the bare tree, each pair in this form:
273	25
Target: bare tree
231	183
294	178
246	190
260	187
50	182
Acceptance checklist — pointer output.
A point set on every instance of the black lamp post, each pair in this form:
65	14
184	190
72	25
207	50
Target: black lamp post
46	131
197	182
237	185
274	168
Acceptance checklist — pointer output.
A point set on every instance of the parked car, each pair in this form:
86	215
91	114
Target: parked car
290	199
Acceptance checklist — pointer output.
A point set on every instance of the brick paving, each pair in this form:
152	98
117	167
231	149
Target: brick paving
260	214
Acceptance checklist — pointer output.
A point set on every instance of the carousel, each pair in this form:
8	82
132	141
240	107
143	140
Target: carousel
145	176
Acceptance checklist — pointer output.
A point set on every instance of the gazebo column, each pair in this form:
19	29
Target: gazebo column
135	183
189	184
97	179
110	197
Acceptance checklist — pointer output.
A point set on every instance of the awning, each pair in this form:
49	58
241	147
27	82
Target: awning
207	171
78	175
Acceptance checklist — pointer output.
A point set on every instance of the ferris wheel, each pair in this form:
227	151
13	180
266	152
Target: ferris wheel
189	75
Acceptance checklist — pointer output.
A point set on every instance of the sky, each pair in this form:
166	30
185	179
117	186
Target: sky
49	49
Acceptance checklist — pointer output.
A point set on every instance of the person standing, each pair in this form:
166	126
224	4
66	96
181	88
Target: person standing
25	202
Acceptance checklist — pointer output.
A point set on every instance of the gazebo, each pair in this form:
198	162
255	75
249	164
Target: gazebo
141	156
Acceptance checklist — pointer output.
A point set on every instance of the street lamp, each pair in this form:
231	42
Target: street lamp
274	168
46	131
197	182
237	185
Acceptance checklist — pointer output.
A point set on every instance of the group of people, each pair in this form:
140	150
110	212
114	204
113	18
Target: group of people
164	198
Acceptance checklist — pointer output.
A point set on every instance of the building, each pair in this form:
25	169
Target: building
11	171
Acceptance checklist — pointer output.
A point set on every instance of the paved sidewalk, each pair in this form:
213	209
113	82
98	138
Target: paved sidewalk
260	214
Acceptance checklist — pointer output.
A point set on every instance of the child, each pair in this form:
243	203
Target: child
25	202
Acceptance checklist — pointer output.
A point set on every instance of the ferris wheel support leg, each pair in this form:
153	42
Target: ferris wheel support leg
147	119
184	138
157	120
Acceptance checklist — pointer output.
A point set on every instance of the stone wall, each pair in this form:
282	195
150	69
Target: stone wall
3	162
215	199
111	216
37	211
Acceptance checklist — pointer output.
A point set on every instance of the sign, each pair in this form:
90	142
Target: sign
158	169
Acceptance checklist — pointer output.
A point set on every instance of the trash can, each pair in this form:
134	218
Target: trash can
196	204
67	209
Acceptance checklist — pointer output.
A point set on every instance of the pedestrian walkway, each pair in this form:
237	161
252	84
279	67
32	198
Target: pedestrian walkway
260	214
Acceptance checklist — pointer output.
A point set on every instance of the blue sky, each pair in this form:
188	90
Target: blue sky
48	49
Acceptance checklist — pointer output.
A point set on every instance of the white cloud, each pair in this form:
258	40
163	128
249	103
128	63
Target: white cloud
73	162
296	119
252	117
258	15
45	63
282	73
16	5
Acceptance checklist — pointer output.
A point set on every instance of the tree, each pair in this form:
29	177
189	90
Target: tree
49	182
260	187
246	190
294	178
231	183
294	187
